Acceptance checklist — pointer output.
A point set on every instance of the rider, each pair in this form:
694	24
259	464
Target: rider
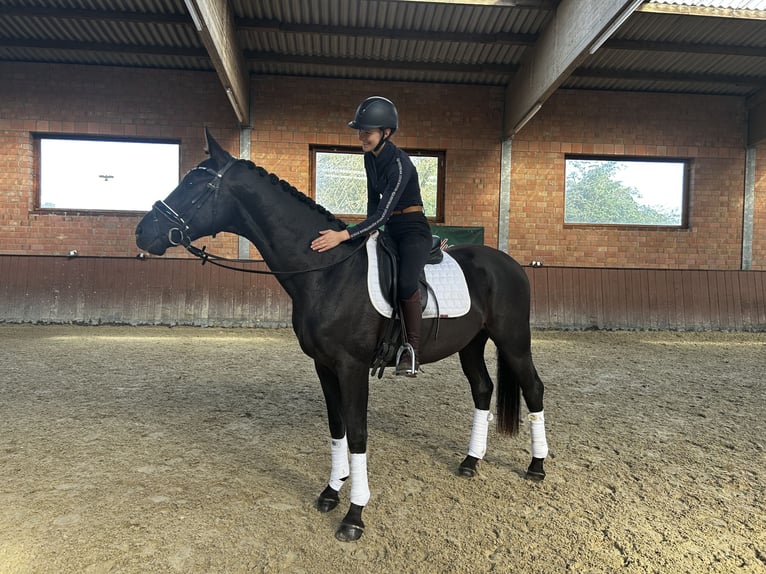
393	200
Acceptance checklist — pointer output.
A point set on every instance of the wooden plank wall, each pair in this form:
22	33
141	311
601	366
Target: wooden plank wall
92	290
649	299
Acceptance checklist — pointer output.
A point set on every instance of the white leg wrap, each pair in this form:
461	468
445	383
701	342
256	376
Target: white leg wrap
477	447
537	430
360	491
339	458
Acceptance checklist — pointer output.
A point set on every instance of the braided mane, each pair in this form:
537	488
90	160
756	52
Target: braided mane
287	188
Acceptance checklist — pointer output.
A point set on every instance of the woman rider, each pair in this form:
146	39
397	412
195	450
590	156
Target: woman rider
393	200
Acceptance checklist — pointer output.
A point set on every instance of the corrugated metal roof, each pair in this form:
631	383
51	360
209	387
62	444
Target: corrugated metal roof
445	42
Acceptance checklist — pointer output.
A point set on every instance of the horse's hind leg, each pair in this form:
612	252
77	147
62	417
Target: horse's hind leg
514	371
475	370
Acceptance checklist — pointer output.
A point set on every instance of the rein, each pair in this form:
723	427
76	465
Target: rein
178	235
216	260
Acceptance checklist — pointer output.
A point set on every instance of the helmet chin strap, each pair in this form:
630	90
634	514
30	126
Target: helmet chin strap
383	140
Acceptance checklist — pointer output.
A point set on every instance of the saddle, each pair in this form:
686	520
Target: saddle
388	268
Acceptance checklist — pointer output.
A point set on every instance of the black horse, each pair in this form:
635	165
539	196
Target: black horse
336	324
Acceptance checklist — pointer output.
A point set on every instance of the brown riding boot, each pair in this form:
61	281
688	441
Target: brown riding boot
408	363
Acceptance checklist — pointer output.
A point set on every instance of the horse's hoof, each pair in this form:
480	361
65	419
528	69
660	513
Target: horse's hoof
468	468
326	504
349	532
328	500
466	472
535	471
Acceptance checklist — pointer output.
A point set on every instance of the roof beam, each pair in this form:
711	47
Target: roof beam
755	81
685	47
259	56
578	28
153	49
98	15
214	21
271	25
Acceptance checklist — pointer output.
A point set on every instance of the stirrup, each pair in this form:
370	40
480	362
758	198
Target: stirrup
413	370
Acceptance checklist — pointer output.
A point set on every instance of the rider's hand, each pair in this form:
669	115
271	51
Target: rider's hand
329	239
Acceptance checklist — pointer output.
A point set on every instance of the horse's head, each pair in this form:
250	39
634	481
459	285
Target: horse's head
193	209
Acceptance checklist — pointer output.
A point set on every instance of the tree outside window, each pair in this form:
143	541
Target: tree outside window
643	192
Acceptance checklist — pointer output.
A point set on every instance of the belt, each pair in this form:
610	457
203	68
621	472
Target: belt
410	209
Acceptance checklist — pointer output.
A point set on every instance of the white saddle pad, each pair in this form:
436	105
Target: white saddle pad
446	280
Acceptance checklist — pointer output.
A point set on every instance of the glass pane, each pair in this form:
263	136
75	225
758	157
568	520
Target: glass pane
624	192
428	173
341	183
106	175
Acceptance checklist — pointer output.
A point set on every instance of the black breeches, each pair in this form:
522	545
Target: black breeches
412	236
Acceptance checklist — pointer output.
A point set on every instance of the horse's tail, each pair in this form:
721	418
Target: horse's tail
508	397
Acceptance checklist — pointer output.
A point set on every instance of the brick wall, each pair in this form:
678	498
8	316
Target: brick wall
87	100
708	130
292	113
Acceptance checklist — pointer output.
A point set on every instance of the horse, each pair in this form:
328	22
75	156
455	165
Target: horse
337	326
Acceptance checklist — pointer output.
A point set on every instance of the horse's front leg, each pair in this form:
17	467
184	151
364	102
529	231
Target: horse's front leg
339	465
347	416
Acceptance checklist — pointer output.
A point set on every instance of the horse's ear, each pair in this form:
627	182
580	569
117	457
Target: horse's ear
213	148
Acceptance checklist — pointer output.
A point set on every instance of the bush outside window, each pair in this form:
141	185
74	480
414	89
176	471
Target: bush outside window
626	191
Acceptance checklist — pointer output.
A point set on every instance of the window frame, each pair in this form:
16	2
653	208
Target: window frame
441	156
38	137
685	192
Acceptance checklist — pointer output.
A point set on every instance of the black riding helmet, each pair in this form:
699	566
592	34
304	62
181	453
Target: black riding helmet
376	112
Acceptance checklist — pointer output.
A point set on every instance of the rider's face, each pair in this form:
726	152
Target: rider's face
370	138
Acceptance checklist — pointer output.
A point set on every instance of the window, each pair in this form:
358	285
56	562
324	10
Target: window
340	184
633	191
101	174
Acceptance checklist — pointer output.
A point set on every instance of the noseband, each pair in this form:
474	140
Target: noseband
178	234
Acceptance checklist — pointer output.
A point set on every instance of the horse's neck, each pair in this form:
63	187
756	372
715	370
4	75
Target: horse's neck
282	227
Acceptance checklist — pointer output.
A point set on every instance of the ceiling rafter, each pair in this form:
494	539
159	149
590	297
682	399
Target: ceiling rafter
98	15
272	25
70	45
261	56
686	47
756	81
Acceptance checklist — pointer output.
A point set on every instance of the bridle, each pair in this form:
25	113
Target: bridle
179	233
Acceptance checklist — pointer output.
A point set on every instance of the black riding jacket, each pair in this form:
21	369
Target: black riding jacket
392	185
